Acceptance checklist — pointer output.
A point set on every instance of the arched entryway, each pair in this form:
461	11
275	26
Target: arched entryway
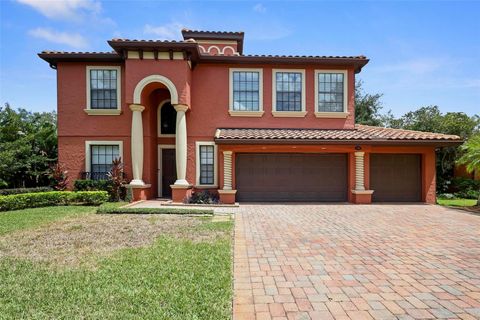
167	118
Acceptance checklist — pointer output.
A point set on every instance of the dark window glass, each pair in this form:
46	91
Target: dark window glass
103	89
246	87
101	158
330	92
168	118
207	164
289	91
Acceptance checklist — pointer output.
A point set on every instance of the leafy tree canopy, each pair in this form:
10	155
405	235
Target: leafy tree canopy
28	146
367	106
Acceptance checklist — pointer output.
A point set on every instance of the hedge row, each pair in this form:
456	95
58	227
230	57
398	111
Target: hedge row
6	192
113	210
52	198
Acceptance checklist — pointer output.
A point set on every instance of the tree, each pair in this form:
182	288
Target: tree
28	146
471	155
367	106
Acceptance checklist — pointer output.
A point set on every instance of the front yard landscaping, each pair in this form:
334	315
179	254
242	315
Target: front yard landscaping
457	202
70	263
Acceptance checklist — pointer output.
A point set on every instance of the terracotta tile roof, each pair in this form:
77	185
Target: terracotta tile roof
213	32
360	133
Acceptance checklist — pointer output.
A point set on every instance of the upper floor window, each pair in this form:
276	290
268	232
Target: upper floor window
289	92
246	92
331	91
103	89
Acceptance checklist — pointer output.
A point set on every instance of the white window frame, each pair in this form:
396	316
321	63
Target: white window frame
104	112
90	143
332	114
276	113
159	119
197	164
237	113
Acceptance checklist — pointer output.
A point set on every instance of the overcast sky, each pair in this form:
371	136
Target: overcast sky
421	53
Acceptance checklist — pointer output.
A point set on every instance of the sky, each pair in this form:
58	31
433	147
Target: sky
421	53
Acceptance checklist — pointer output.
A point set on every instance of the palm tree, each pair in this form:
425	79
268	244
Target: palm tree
471	156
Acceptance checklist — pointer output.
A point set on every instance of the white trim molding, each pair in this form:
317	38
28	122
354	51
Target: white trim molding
332	114
89	143
160	147
359	171
245	113
276	113
103	112
227	170
137	93
197	164
159	121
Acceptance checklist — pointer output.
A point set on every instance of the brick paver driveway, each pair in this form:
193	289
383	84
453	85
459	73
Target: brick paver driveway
356	262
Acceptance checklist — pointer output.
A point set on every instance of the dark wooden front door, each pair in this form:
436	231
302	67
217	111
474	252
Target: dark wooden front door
291	177
169	171
395	177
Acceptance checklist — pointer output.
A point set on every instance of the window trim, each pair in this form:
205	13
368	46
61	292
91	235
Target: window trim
276	113
245	113
197	164
90	143
104	112
159	119
332	114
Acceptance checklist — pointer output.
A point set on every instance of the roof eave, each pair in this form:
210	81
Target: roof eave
433	143
358	64
54	58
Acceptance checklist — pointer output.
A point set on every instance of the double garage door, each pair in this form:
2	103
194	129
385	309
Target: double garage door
323	177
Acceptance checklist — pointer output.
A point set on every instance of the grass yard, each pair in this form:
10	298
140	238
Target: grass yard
457	202
116	267
29	218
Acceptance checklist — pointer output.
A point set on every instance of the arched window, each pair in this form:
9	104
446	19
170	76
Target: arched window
168	117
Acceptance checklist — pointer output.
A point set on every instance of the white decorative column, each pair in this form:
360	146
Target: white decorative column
181	145
359	194
227	170
137	145
227	194
359	171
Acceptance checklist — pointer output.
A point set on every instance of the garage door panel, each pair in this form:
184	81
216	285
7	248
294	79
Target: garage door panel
291	177
395	177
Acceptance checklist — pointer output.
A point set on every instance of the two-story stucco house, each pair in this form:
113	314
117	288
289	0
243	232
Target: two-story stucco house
199	114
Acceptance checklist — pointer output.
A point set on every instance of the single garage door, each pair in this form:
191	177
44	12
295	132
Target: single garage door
291	177
396	177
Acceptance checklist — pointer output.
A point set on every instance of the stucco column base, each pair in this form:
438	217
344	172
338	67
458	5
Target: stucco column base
140	192
180	193
227	196
362	196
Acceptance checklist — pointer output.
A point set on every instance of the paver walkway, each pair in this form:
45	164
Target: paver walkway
356	262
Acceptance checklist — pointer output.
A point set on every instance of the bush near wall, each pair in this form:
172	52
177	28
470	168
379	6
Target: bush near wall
6	192
98	185
52	198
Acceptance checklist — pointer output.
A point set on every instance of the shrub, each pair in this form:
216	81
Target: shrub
6	192
116	178
466	188
92	185
58	176
446	196
203	197
52	198
115	210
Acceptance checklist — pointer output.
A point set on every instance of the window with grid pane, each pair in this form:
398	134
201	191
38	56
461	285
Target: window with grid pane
246	95
330	92
103	89
101	157
289	91
207	164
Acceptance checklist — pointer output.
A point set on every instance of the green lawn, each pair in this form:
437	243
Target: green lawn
179	276
457	202
30	218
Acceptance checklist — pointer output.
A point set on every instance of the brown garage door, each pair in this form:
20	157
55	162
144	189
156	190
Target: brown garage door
396	177
291	177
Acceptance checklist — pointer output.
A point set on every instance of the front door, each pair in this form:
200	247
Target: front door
169	171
